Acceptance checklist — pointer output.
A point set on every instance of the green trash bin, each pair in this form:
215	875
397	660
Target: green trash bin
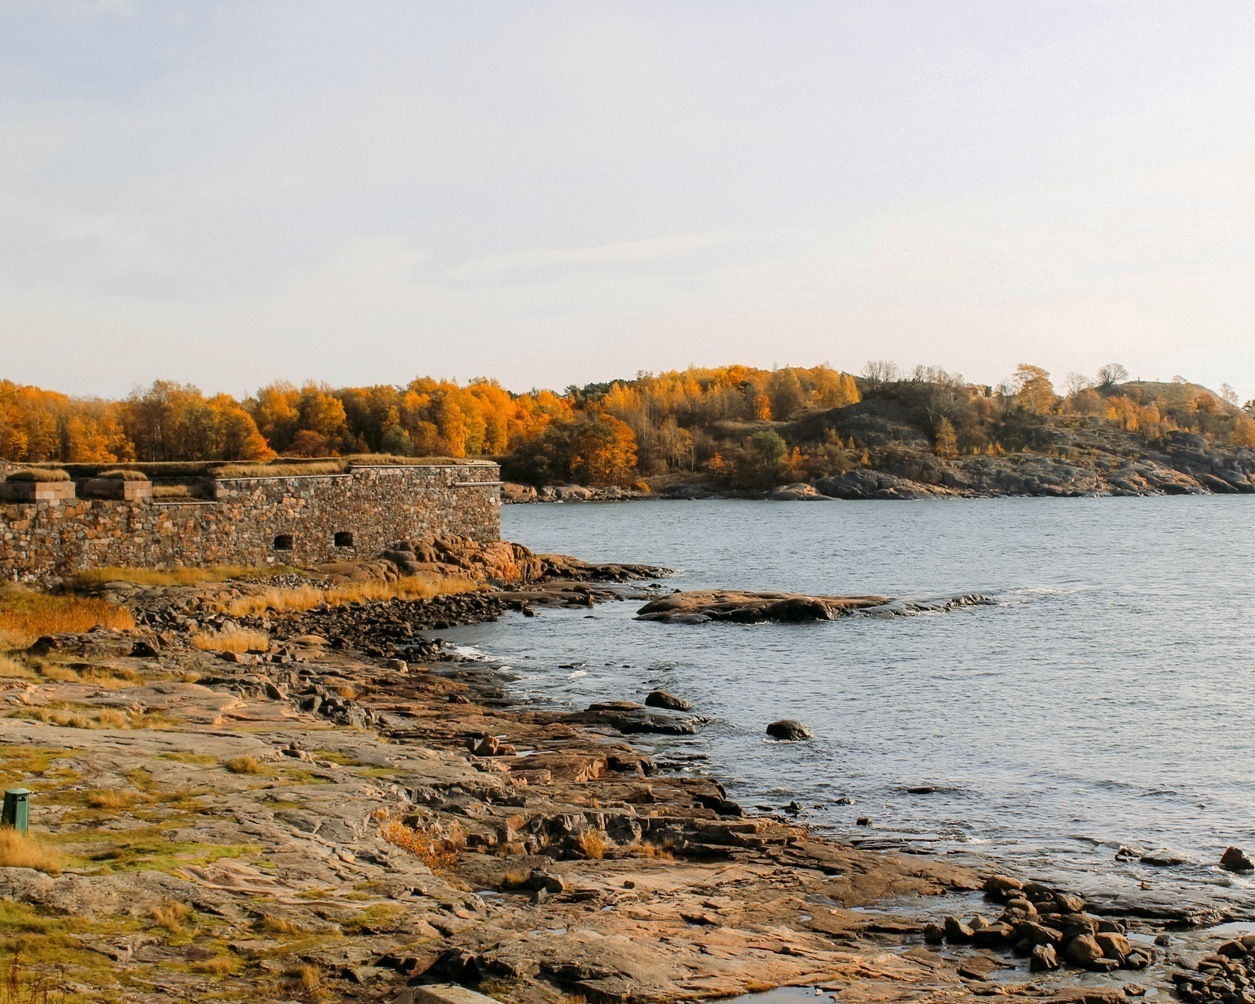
16	814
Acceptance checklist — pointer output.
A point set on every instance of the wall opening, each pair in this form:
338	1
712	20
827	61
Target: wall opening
344	539
283	542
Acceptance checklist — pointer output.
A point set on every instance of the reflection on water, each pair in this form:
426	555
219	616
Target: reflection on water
1106	702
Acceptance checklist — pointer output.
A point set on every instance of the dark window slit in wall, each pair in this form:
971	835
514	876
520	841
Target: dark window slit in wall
284	542
344	539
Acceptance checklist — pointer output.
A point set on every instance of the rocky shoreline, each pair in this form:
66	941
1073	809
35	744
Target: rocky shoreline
1190	467
320	821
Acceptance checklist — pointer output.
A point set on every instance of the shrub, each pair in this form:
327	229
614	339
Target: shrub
40	474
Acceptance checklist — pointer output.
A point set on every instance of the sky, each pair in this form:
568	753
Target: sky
549	194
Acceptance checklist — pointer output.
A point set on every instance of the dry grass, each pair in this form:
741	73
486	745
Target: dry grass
219	965
17	851
44	475
123	474
232	640
26	615
268	923
171	914
11	669
244	765
315	468
648	850
433	850
69	717
593	844
52	672
174	492
110	799
410	587
306	979
174	576
104	677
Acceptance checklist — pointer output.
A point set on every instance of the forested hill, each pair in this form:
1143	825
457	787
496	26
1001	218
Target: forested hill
734	427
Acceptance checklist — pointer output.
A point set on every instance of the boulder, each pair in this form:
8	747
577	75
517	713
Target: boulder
1083	950
1000	887
662	699
1234	859
799	492
1114	946
789	730
1043	959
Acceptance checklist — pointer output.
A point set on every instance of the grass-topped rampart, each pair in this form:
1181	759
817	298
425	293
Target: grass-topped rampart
187	471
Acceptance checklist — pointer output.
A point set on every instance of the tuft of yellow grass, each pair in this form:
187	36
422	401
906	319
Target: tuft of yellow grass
433	850
67	716
268	923
306	979
108	798
593	844
55	673
301	598
232	640
26	615
244	765
18	851
171	914
218	965
11	669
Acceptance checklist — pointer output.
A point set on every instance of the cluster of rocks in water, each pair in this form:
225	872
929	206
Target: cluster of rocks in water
1048	926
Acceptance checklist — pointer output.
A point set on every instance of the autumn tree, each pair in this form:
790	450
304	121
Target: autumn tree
1033	390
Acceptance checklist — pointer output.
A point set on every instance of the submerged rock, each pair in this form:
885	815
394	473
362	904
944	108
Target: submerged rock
789	730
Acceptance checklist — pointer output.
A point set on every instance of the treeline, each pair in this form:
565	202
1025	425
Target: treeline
739	425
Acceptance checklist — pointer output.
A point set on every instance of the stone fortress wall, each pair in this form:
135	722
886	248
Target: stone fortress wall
48	530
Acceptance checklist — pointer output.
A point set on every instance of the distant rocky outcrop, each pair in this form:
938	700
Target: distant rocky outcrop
740	607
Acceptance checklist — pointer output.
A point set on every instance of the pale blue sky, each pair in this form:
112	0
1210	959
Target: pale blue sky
551	193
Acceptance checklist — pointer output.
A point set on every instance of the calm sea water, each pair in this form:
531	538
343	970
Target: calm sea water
1107	700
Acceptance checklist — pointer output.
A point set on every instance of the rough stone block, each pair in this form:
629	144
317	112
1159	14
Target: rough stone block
114	488
36	491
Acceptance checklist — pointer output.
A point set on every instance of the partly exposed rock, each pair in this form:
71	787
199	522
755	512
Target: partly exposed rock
789	730
742	607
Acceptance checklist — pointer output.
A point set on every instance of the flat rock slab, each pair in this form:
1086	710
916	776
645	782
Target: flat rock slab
443	993
740	607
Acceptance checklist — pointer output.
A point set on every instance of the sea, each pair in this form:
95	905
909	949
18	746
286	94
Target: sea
1094	727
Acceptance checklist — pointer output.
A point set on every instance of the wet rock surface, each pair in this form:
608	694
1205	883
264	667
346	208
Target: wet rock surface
234	825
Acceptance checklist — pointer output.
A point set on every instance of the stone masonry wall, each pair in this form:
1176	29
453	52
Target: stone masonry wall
253	521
